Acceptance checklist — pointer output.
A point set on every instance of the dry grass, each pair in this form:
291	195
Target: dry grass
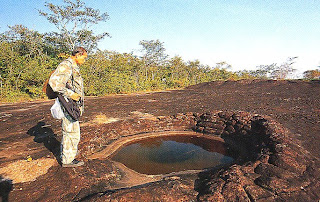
102	118
25	171
140	115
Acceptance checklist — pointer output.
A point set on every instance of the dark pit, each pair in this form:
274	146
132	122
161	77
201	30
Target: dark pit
270	165
163	155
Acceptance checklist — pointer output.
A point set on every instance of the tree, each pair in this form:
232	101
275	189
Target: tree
176	72
25	41
24	63
193	68
311	74
283	71
73	21
223	65
22	52
264	71
275	71
153	52
153	55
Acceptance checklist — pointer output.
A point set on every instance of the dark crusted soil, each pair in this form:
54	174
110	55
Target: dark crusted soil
277	122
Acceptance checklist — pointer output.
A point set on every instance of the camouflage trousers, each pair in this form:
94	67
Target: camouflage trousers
70	139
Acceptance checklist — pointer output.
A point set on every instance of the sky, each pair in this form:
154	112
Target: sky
243	33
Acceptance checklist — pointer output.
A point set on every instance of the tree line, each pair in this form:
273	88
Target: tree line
27	58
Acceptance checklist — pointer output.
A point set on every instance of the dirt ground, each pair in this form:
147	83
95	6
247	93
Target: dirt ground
30	139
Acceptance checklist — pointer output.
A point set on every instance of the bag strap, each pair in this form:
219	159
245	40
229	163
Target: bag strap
72	78
80	102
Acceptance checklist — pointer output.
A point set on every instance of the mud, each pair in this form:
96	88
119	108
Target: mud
275	122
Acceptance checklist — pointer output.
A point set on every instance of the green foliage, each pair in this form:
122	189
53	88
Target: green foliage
12	95
28	57
110	72
24	70
24	63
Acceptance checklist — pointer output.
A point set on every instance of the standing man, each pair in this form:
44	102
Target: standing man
68	72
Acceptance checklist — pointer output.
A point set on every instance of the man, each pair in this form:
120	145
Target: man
68	72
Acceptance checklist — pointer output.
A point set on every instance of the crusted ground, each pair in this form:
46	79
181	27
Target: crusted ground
277	120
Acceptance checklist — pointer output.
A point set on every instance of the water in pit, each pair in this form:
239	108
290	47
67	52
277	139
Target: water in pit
169	154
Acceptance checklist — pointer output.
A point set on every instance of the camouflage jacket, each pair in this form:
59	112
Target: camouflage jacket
67	72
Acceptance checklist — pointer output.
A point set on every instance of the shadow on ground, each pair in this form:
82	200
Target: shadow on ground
6	186
44	134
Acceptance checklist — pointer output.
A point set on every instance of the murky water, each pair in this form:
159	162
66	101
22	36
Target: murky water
164	155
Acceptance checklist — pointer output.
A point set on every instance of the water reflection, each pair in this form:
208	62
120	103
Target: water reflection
163	155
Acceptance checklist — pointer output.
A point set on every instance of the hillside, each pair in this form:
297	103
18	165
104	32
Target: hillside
27	129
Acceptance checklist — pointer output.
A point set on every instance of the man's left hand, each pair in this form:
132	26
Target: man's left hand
75	96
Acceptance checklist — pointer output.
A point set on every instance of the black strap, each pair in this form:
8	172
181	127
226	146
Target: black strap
80	102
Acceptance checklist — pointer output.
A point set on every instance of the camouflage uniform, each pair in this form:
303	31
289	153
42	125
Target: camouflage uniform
64	73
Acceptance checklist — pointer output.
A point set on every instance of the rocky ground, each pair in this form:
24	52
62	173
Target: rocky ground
276	122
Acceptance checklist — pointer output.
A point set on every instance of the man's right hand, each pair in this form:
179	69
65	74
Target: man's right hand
75	96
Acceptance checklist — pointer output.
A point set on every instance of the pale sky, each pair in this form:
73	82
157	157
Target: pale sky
244	33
